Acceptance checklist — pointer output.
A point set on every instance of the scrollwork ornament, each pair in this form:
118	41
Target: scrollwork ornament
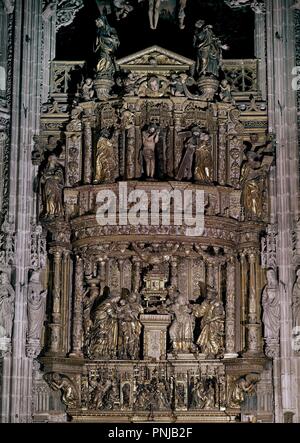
258	6
66	11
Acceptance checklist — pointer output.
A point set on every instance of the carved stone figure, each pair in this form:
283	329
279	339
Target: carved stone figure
296	300
105	162
36	305
88	91
100	392
271	307
241	387
153	12
126	389
225	92
65	385
7	309
122	8
181	13
198	395
209	50
204	162
142	399
182	327
52	181
176	84
253	175
129	328
211	338
103	335
150	139
153	87
186	165
107	43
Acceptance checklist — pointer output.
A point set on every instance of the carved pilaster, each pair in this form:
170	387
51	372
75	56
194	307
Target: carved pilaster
87	173
136	274
174	272
77	309
230	333
254	339
55	326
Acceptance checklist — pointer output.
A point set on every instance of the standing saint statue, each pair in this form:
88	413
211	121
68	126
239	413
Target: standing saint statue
130	327
103	334
36	305
253	175
271	307
105	162
209	50
211	338
182	328
185	170
7	308
107	43
52	181
150	139
296	300
204	162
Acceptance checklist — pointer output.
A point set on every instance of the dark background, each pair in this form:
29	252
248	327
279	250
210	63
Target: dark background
234	27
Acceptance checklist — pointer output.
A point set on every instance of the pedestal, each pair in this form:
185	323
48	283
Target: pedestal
155	335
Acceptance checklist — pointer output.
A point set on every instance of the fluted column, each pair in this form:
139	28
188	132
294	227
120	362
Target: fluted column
230	330
77	310
55	326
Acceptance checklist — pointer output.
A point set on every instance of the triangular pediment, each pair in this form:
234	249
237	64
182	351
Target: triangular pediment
155	58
